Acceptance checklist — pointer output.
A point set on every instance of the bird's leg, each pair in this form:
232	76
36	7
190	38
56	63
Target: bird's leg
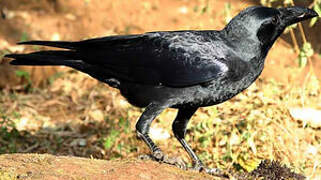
179	130
143	125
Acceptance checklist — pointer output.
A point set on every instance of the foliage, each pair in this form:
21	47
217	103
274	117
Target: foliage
305	53
8	134
26	76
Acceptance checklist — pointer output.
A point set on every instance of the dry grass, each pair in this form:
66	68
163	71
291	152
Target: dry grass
75	115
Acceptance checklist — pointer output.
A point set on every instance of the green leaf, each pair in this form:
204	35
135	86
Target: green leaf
23	74
110	140
24	37
305	52
313	21
317	8
227	12
249	164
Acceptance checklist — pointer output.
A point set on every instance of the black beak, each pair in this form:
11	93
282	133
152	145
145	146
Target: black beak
295	14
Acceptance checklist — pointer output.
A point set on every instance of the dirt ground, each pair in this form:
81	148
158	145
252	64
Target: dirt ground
57	117
31	166
45	166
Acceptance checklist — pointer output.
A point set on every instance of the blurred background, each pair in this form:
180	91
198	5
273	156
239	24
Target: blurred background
60	111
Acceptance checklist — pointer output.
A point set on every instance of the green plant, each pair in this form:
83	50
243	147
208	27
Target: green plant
113	142
57	75
24	37
8	134
227	12
25	75
3	53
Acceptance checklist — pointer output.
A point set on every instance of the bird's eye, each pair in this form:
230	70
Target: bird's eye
275	20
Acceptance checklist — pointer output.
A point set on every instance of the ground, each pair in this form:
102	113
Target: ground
45	166
72	114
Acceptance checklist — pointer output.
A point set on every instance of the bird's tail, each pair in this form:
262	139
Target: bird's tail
58	44
44	58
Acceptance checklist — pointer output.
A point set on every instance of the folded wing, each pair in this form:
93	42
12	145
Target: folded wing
170	58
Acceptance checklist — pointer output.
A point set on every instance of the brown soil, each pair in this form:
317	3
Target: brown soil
37	166
45	166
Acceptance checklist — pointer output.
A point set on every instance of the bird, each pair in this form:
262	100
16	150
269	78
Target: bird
185	69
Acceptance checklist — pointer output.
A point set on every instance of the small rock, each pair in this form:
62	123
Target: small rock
183	10
97	115
55	37
307	115
79	142
70	17
159	134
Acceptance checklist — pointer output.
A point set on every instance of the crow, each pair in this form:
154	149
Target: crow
176	69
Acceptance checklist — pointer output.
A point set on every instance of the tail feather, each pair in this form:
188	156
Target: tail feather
58	44
43	58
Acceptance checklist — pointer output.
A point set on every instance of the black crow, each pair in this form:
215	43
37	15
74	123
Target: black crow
176	69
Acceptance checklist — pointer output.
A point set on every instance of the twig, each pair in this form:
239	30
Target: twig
29	149
295	42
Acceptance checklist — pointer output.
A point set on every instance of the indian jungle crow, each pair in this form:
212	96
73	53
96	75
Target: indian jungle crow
176	69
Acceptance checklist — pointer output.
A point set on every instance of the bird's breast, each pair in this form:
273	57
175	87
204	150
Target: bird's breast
218	91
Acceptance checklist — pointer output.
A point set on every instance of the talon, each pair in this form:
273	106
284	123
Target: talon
211	171
178	162
198	166
145	157
215	172
158	155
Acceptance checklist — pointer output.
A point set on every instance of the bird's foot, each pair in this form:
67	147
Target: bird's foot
159	156
145	157
176	161
211	171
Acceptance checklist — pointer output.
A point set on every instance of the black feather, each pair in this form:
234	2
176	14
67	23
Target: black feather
58	44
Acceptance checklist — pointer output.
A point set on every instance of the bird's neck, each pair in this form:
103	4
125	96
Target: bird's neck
247	46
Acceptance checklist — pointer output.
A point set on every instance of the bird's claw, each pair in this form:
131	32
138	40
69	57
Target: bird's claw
176	161
159	156
156	156
215	172
145	157
211	171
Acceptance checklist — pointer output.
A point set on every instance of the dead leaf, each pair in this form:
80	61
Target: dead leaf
307	115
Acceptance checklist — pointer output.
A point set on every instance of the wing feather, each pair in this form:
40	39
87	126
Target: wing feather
181	58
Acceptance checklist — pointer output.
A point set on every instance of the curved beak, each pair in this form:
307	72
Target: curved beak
295	14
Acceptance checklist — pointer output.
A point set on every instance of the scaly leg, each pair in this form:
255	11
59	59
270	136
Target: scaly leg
142	128
143	125
179	130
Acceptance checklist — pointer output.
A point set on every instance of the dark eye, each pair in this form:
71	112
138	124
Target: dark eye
275	20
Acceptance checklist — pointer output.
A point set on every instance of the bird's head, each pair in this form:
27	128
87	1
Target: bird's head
266	24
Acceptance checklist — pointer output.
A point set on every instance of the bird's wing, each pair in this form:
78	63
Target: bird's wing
178	59
170	58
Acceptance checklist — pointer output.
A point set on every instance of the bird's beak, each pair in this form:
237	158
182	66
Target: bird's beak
292	15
